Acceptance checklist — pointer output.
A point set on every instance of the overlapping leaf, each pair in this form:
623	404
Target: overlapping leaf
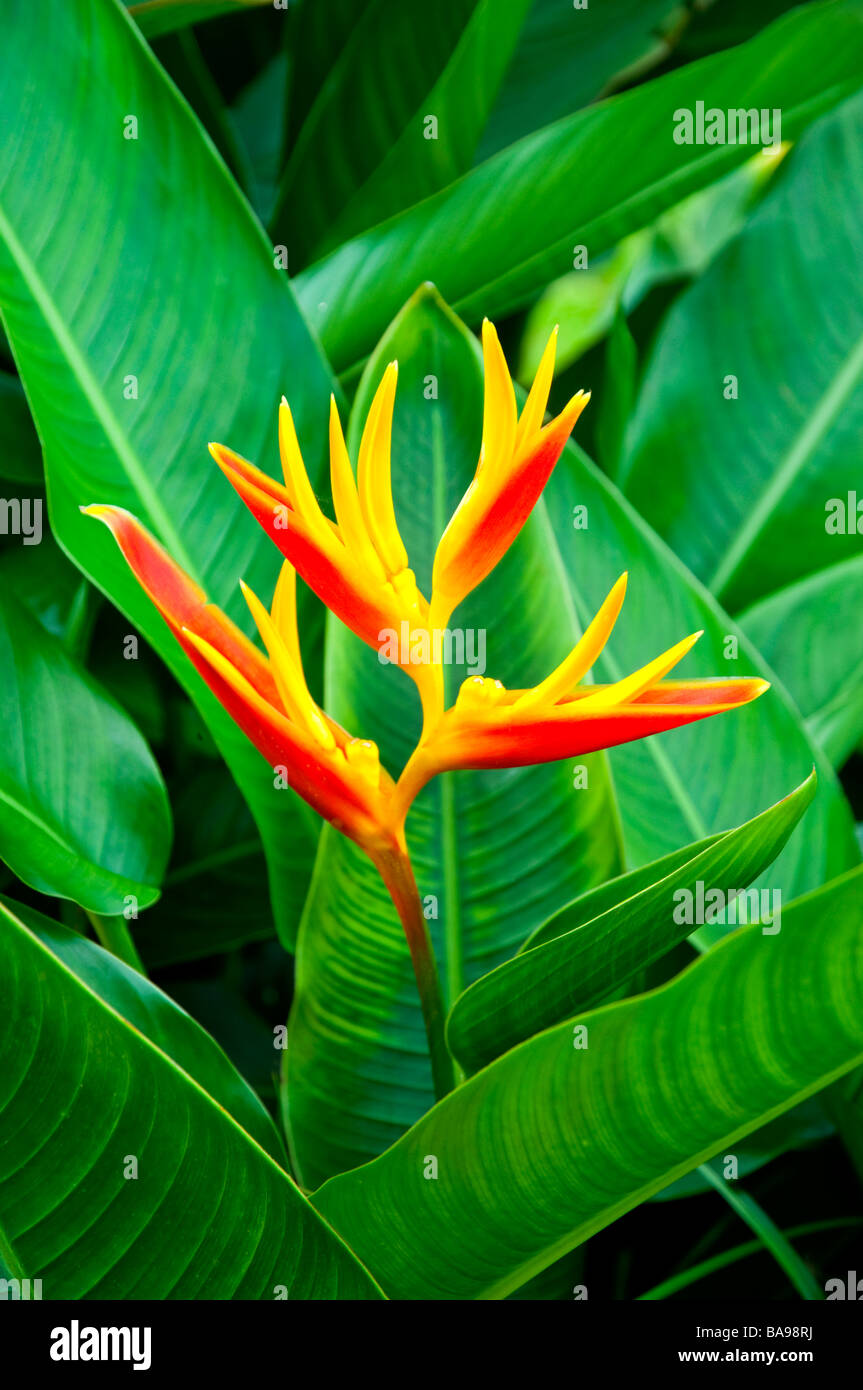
553	1142
145	323
811	632
83	809
573	963
752	405
128	1179
589	179
494	852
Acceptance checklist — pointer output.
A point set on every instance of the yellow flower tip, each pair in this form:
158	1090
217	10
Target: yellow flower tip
479	692
97	509
363	756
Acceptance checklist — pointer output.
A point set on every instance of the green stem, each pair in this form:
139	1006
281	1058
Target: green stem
768	1233
739	1252
395	869
114	935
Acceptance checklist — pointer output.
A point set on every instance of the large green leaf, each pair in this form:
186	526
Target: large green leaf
83	808
567	56
20	455
811	633
500	233
553	1142
780	312
680	244
45	582
572	964
365	150
165	277
157	17
205	1213
721	771
151	1013
494	852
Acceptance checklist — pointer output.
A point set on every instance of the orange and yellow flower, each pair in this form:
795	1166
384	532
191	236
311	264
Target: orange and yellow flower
267	696
358	565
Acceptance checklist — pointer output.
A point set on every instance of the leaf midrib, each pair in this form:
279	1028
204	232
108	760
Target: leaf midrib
811	434
95	396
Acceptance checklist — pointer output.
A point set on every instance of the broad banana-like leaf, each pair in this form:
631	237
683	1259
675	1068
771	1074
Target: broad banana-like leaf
553	1141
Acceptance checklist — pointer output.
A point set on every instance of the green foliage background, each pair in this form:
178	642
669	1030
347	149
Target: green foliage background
206	205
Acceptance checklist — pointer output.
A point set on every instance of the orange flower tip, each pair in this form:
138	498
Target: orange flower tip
107	514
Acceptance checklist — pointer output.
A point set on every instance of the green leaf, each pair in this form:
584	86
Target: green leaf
165	277
83	808
209	1214
551	1143
798	1272
258	118
574	963
365	150
151	1013
495	852
779	314
156	17
681	243
811	633
43	580
566	58
502	231
740	1252
615	405
20	454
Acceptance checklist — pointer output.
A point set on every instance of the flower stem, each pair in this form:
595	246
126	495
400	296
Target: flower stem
114	936
395	869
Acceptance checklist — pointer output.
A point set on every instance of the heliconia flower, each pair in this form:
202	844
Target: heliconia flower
517	455
490	726
356	565
267	696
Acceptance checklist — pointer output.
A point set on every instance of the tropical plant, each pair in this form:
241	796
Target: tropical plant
553	944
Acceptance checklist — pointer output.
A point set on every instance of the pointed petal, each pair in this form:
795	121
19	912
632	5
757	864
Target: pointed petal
284	612
510	736
296	700
568	674
628	689
296	478
533	413
322	559
179	599
488	519
374	476
499	418
346	500
235	466
337	791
